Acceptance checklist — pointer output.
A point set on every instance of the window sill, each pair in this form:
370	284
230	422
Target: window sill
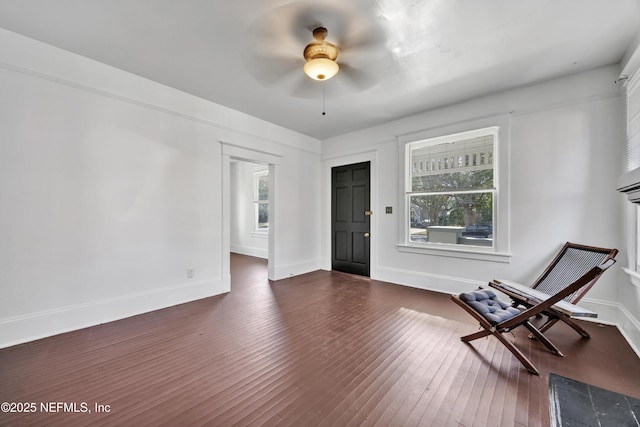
634	276
452	252
263	234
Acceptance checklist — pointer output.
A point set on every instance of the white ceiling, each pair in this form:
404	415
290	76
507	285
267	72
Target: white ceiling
398	57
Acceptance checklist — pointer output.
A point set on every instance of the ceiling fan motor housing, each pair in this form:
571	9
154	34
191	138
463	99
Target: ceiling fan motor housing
320	51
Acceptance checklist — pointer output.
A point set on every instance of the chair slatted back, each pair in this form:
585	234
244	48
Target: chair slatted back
571	263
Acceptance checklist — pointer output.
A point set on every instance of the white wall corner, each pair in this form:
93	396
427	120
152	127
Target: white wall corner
33	326
225	283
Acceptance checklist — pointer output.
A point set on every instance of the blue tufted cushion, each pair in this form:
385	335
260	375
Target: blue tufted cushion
487	304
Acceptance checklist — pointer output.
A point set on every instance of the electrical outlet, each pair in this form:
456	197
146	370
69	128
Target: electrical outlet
191	272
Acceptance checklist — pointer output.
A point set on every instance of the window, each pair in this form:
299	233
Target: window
451	189
632	143
261	200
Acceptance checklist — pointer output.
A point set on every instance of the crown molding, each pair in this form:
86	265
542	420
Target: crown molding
632	66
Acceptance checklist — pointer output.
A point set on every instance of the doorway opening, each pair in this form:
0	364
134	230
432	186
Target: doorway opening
249	208
265	225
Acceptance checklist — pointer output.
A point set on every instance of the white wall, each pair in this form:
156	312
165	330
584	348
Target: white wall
565	154
244	239
111	188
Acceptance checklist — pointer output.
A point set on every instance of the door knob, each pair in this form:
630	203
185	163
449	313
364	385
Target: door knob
366	234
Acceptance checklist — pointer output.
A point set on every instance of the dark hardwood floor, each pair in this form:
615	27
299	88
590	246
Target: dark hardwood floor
320	349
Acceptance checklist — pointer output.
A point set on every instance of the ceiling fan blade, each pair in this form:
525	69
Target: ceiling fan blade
365	44
271	69
307	88
357	79
294	22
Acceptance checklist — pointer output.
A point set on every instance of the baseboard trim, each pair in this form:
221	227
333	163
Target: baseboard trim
427	281
617	315
43	324
290	270
249	251
629	327
608	312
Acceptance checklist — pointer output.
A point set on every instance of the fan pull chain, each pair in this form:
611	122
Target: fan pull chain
324	113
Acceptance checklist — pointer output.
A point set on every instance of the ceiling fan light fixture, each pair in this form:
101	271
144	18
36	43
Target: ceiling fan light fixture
321	68
320	56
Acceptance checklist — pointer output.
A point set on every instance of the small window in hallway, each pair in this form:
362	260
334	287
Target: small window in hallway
261	200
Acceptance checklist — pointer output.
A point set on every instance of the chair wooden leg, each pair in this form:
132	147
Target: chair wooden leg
480	334
517	353
551	320
544	340
575	326
513	349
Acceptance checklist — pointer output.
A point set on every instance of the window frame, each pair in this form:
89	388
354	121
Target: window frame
257	202
630	77
632	149
499	251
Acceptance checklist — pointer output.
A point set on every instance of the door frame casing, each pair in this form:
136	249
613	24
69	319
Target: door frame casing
327	165
230	151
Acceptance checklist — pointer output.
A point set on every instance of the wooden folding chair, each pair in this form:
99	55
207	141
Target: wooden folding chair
570	263
497	317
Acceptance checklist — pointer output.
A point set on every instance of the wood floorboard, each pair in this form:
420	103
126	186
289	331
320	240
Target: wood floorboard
321	349
407	388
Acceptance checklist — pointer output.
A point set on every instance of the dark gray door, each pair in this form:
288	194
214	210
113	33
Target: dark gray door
350	218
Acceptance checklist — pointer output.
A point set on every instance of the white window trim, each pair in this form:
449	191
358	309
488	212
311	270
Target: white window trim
634	277
471	252
630	78
256	179
499	252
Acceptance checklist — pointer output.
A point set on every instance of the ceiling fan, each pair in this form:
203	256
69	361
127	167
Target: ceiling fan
296	47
